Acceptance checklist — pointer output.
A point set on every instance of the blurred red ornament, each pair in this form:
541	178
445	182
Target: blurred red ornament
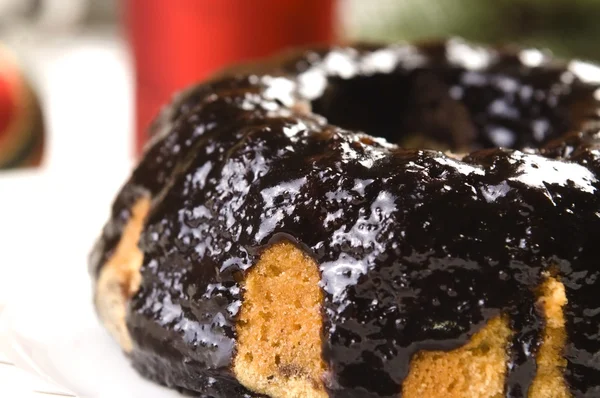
178	42
21	127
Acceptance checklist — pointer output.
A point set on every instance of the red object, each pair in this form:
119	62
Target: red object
178	42
21	124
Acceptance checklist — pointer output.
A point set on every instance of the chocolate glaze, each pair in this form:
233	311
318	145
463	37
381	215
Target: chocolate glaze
417	250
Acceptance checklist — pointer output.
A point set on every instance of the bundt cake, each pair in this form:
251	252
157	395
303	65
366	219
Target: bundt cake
266	246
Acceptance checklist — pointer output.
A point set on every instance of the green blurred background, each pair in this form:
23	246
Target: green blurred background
569	28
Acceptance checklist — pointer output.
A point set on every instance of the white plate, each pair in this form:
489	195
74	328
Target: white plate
59	339
48	223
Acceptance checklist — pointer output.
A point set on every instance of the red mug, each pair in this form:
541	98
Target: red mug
178	42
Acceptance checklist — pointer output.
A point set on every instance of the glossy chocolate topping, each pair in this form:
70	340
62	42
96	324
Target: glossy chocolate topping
417	249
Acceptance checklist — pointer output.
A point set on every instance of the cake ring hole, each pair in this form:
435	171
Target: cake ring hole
449	108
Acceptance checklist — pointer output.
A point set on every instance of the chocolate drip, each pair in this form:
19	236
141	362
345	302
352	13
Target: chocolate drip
527	325
580	274
417	250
